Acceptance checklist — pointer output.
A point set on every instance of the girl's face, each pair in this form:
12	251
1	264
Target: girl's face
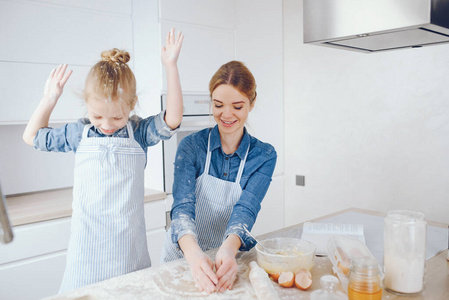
230	109
107	115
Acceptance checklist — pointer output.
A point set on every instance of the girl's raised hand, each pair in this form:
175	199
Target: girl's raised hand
55	83
170	52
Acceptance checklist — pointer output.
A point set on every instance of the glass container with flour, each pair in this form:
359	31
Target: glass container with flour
404	251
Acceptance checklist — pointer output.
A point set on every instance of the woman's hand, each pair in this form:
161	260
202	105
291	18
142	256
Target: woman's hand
55	83
201	266
226	264
170	52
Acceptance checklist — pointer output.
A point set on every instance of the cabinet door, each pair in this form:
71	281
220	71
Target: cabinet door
36	239
34	278
38	36
271	215
155	240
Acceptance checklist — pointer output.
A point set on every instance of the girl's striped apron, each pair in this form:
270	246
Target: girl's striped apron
108	235
215	200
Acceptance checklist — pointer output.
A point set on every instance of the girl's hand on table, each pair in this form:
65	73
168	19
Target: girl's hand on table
226	266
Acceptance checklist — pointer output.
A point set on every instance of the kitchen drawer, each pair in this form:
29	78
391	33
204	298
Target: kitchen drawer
154	214
36	239
155	241
33	278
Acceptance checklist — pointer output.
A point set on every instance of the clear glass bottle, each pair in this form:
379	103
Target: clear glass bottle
365	280
328	290
404	251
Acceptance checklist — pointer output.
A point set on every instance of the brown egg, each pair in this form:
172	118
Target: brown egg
286	279
274	276
303	279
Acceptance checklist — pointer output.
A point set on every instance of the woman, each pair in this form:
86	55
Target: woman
221	176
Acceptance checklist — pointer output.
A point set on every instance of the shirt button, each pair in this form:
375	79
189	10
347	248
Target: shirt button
227	158
225	174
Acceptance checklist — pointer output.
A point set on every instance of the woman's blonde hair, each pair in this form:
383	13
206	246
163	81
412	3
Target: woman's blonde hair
236	74
112	78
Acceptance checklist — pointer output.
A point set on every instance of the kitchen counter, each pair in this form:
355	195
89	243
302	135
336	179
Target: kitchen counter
49	205
173	280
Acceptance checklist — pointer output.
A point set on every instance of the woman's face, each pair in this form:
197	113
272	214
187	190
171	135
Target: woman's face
230	109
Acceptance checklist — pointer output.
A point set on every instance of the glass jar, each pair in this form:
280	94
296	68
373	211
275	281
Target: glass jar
404	251
328	289
365	280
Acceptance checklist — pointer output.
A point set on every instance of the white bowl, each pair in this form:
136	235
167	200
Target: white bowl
290	254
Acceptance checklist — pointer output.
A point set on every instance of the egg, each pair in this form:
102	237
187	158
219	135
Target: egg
303	279
286	279
275	276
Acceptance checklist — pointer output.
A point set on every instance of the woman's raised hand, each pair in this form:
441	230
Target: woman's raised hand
55	83
170	52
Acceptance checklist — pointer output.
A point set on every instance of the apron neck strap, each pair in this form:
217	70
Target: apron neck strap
242	162
129	128
242	166
86	130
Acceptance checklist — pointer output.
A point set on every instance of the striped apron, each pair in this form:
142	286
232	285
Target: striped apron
108	236
215	200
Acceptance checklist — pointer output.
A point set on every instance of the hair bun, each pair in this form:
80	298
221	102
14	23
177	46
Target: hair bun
115	55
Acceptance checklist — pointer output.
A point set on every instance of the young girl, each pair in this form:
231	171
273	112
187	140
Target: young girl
108	228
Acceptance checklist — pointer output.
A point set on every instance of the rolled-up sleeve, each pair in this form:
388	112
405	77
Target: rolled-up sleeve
248	206
154	129
63	139
183	209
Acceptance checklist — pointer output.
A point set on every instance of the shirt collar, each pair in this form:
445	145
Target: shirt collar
215	142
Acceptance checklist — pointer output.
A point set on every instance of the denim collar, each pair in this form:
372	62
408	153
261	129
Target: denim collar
215	142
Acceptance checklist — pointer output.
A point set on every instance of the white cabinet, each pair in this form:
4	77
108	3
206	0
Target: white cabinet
32	266
155	225
38	36
209	30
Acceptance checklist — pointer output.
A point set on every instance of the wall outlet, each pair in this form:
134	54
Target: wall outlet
300	180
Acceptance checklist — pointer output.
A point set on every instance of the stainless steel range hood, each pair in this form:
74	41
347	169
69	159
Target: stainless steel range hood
376	25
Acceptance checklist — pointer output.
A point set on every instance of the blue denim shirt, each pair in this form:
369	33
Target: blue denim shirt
189	165
147	132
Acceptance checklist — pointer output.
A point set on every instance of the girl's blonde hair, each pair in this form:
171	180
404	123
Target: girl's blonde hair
112	78
236	74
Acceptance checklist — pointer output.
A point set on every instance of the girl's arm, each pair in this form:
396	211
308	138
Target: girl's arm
53	90
169	57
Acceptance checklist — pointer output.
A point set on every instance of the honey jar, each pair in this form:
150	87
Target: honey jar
365	280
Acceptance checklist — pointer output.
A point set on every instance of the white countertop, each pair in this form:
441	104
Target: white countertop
174	281
54	204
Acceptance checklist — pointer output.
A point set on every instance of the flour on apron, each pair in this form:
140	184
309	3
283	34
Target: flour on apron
215	200
108	236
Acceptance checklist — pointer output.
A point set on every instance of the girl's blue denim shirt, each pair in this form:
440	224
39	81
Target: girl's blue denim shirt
147	132
256	178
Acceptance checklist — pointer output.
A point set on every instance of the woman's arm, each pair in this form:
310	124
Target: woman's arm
248	206
169	56
183	215
53	90
244	212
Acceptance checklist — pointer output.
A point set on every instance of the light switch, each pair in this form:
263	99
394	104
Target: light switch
300	180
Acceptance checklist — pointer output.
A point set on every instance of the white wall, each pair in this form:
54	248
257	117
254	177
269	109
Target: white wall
366	130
